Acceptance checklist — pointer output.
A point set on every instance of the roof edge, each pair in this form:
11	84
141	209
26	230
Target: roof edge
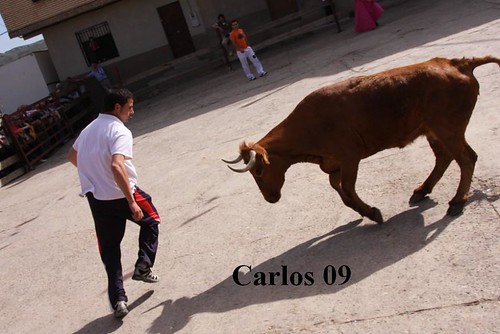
35	28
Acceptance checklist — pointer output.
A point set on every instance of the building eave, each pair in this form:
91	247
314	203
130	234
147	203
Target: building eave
34	29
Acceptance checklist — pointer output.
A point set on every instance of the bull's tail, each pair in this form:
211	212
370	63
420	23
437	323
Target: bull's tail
467	65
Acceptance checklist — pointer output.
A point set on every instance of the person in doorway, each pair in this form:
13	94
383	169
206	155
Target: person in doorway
102	154
244	51
366	14
100	74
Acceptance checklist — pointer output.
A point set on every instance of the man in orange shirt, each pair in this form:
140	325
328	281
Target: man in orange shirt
244	51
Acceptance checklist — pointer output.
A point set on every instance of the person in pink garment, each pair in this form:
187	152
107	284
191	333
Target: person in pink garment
366	14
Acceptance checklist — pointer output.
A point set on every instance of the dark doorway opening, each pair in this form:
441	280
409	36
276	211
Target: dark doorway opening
175	26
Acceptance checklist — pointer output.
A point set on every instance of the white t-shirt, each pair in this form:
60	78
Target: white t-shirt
95	146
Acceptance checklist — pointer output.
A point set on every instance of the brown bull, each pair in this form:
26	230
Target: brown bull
338	125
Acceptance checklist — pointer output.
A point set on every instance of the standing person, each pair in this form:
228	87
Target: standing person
366	14
223	29
99	73
244	51
102	154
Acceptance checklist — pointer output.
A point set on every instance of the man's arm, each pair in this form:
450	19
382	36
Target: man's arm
246	38
121	179
72	154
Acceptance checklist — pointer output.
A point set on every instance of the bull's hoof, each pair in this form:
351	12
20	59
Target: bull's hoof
376	216
417	197
455	209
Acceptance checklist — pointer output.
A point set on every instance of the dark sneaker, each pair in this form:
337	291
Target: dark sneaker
262	74
145	275
252	78
121	309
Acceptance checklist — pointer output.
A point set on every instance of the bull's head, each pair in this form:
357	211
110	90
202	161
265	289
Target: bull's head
268	170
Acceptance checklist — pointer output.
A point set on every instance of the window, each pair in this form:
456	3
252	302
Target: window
97	43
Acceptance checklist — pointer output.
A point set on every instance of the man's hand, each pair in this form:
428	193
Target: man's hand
121	179
136	211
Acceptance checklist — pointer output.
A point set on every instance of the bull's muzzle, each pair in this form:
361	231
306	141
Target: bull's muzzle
248	166
273	198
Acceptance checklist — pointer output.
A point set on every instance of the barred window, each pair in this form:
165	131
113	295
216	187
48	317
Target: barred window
97	43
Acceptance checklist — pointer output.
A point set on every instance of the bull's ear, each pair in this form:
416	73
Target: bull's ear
262	152
244	148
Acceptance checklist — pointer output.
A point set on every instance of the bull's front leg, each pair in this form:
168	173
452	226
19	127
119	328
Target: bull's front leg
343	181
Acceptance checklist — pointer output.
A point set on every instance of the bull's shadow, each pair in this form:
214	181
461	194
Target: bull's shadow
366	249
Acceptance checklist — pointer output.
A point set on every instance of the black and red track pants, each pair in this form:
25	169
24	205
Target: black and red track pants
110	221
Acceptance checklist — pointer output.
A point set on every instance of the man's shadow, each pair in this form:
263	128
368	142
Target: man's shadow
364	249
108	323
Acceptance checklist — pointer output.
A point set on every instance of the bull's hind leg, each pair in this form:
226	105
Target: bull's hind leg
466	159
443	160
344	181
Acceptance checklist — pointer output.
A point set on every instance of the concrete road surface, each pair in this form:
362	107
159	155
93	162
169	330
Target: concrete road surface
419	272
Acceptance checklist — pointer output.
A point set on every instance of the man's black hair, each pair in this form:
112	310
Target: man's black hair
116	95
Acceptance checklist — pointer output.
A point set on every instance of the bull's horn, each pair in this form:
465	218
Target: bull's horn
238	159
249	165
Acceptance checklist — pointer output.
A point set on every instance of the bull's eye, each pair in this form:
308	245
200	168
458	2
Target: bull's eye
258	172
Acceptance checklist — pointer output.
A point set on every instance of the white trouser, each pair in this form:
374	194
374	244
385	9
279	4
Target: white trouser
249	54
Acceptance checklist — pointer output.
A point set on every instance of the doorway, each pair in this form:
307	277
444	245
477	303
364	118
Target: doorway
176	29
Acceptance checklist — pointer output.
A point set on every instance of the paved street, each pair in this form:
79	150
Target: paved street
419	272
